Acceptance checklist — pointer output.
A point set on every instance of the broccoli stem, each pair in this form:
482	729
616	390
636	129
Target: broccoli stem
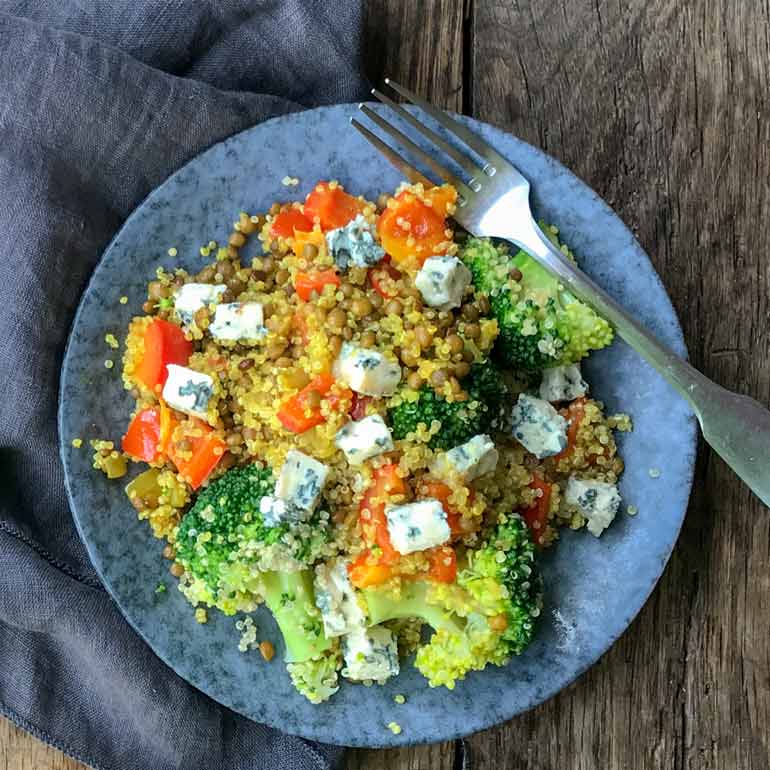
291	598
412	603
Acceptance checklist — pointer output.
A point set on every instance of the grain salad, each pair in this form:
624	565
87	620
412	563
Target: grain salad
372	428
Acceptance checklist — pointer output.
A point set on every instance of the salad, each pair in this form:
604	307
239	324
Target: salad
373	428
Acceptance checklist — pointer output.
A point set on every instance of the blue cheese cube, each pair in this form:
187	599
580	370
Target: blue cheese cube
417	526
370	654
362	439
238	321
470	460
598	501
188	391
276	510
301	480
442	281
366	371
539	428
354	244
191	297
337	600
562	383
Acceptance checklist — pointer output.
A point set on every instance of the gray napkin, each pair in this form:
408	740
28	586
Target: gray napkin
99	103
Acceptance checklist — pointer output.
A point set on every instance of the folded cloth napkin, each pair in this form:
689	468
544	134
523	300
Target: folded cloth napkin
99	103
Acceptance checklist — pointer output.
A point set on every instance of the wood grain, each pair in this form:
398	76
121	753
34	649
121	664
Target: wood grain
662	107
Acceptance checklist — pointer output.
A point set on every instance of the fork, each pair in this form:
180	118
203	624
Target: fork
493	201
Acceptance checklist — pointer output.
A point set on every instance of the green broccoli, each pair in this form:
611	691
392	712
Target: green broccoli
460	420
541	323
485	617
231	559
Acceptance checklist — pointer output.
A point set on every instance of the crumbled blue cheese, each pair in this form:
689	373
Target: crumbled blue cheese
191	297
238	321
538	427
442	281
417	526
470	460
598	501
370	654
366	371
363	439
354	244
188	391
563	383
301	480
336	598
276	510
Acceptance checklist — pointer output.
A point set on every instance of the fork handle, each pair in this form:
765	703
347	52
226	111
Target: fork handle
737	427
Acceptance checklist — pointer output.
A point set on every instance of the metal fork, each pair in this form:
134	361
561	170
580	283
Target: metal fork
493	201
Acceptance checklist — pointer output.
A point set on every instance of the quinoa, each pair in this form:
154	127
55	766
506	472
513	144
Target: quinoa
378	308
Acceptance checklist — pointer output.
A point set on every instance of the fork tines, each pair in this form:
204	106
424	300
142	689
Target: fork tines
474	172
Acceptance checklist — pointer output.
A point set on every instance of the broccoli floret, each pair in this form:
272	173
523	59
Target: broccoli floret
460	420
541	323
485	617
317	679
229	553
224	543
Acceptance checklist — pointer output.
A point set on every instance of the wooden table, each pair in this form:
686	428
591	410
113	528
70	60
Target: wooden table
662	107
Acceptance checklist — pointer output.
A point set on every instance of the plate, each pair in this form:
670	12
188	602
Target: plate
594	587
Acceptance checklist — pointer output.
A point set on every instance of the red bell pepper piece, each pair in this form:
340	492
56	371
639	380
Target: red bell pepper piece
536	515
307	283
207	451
443	564
288	221
297	415
142	438
164	344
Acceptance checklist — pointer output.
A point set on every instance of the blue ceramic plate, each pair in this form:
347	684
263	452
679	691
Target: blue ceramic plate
594	588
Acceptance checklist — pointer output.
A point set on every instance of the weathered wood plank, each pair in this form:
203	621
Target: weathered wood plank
661	106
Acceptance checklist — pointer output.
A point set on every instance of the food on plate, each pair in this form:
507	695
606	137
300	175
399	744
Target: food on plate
373	428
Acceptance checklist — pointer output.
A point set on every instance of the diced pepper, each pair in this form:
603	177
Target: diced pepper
307	283
574	413
443	564
358	406
164	344
288	221
312	237
412	229
438	490
142	438
536	515
298	415
332	207
368	570
382	277
374	524
207	450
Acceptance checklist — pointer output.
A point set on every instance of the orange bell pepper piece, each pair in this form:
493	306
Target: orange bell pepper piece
413	229
331	207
